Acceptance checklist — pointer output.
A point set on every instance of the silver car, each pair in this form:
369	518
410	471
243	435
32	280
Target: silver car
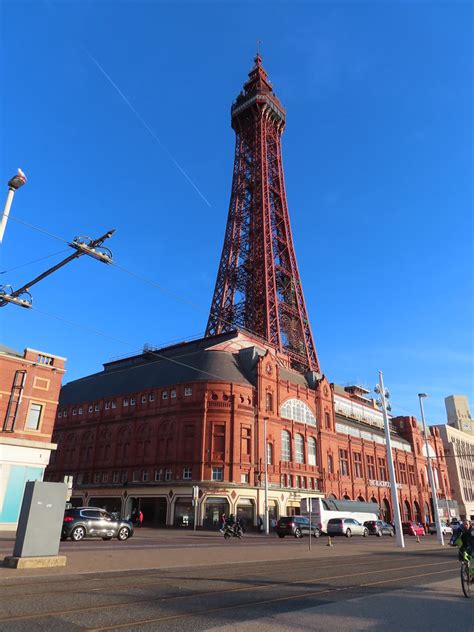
347	527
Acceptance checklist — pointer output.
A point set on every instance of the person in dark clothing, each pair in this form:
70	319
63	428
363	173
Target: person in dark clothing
465	539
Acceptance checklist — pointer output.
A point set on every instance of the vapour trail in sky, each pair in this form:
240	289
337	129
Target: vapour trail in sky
145	125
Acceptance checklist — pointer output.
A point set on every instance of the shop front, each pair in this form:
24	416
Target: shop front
184	512
214	507
245	512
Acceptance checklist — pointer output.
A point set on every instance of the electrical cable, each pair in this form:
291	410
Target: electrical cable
23	265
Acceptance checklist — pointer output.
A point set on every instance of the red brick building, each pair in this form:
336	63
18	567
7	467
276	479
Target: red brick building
29	389
148	428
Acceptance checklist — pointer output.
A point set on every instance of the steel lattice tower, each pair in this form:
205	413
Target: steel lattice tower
258	287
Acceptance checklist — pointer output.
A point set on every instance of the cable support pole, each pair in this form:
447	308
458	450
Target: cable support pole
76	255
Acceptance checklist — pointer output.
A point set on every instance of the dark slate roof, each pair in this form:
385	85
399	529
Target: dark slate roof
293	377
182	364
9	351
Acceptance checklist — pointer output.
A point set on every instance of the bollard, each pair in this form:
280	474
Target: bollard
329	541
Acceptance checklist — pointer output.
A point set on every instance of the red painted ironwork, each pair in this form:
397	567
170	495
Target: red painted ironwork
258	287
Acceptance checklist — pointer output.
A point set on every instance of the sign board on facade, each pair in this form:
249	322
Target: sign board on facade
383	484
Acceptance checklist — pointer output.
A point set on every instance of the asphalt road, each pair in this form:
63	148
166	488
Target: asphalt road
382	589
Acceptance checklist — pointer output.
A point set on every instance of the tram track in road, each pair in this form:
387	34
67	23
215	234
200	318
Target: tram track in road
156	600
152	576
254	604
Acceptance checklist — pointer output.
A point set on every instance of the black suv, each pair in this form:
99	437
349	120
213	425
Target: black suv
82	522
297	526
379	527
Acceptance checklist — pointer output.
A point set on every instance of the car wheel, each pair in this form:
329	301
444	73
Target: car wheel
379	533
366	533
348	533
316	533
107	537
298	533
123	534
78	534
280	535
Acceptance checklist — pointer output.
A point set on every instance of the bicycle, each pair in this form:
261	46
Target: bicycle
467	574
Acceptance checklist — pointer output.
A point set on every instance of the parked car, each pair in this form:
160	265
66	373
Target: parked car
296	526
412	528
84	522
347	527
445	530
379	527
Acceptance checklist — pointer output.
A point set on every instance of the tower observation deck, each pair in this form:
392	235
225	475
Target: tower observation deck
258	287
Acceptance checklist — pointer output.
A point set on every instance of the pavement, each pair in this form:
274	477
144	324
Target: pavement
176	581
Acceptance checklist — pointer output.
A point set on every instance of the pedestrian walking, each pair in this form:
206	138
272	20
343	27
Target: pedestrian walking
140	518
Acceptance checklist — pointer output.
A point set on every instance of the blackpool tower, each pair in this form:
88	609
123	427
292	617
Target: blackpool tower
258	287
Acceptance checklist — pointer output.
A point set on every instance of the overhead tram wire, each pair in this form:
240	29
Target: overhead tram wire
143	279
23	265
158	355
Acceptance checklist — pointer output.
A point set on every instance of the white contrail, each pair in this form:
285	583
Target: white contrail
145	125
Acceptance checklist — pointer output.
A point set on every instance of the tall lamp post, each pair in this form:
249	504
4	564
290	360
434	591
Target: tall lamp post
265	462
13	185
384	395
439	531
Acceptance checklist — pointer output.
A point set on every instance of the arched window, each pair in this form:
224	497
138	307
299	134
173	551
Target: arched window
270	453
299	448
285	446
297	410
406	511
312	451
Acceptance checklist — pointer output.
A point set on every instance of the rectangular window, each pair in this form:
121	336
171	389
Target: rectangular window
125	401
97	408
283	480
290	480
143	399
97	477
303	482
327	419
124	476
344	462
65	413
403	473
173	393
79	412
116	477
187	473
411	474
151	397
164	395
133	401
34	417
74	412
218	441
107	405
60	414
330	465
158	475
79	478
105	477
136	476
382	469
188	391
90	409
357	465
217	474
371	467
269	401
297	481
114	404
244	478
168	475
144	476
245	442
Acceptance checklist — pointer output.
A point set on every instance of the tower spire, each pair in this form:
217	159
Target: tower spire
258	288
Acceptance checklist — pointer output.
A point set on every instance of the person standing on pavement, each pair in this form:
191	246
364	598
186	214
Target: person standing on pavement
140	518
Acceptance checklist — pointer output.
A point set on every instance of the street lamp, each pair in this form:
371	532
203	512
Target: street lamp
439	531
382	402
265	461
13	185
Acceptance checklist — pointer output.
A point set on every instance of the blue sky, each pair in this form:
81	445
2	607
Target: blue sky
113	108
